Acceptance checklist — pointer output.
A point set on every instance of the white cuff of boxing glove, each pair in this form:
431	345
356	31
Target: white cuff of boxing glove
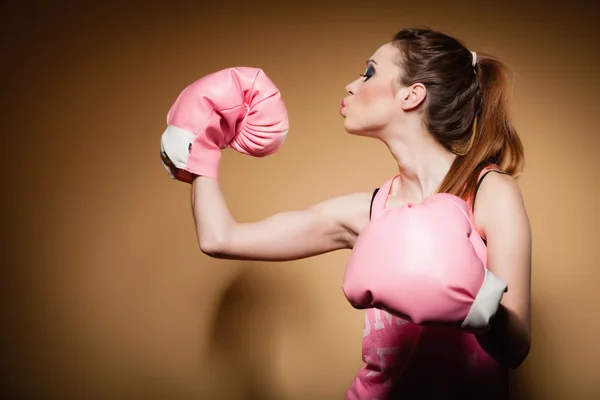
486	304
182	150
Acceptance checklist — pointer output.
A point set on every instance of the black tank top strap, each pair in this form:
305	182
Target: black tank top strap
480	180
379	198
482	175
372	199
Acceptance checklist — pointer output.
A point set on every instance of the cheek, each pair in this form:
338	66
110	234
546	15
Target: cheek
373	93
371	109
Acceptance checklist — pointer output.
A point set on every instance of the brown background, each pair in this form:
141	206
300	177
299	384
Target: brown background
108	296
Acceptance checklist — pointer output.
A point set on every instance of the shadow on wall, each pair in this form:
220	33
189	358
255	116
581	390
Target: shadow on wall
260	308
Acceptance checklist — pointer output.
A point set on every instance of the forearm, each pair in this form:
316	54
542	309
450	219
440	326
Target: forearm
508	340
212	217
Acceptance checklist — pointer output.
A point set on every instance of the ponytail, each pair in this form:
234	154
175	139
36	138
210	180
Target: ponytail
494	139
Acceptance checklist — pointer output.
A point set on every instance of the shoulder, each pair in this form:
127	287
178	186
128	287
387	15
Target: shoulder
496	186
499	203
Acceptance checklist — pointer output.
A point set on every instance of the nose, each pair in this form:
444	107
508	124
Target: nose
351	88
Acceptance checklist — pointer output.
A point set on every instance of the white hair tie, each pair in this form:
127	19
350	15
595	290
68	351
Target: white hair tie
474	54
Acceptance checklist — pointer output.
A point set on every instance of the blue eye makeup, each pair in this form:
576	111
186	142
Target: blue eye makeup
368	73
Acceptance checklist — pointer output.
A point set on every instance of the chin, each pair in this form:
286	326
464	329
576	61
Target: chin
357	131
352	129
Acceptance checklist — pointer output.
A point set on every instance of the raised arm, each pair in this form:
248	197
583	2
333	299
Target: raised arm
330	225
241	108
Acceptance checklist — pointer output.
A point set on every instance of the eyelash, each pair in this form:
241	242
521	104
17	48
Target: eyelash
366	75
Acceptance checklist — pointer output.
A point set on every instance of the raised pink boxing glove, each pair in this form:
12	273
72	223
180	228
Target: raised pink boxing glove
419	262
236	107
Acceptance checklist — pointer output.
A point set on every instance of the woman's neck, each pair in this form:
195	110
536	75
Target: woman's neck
422	165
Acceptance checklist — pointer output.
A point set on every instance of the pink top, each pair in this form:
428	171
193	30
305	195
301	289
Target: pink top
404	361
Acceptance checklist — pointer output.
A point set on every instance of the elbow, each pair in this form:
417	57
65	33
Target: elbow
508	341
521	346
516	361
215	248
216	243
520	353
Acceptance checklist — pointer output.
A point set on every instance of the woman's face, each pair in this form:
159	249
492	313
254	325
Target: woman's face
371	104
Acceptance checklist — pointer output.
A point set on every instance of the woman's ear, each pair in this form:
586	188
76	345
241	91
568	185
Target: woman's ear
412	96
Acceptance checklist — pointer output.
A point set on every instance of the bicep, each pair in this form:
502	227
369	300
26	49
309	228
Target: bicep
501	215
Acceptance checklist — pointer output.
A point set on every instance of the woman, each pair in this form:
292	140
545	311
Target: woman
442	111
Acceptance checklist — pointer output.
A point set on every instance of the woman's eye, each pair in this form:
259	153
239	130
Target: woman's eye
368	74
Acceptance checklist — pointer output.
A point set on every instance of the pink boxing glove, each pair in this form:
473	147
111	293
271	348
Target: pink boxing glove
236	107
419	263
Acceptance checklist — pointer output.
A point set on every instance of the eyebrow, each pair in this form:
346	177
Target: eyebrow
371	61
